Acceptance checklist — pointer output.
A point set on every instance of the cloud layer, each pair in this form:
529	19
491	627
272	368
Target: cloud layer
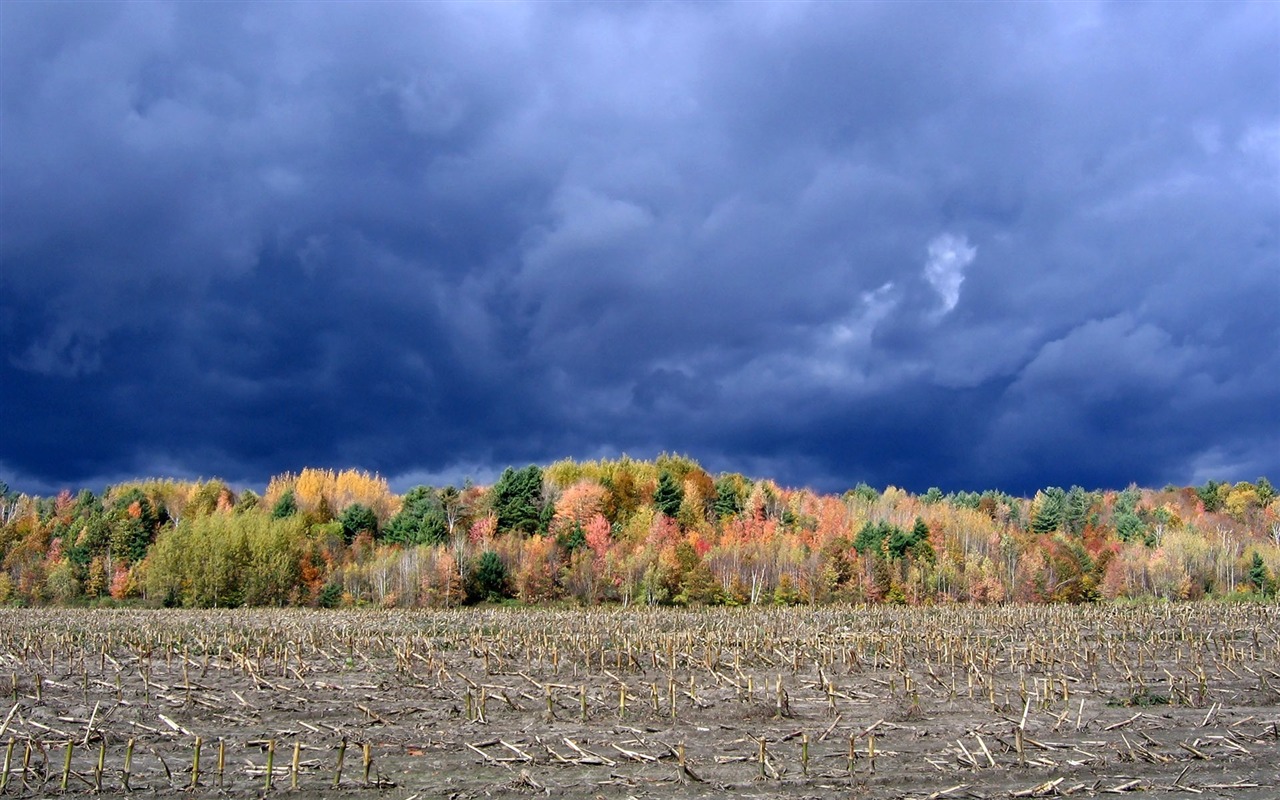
948	257
965	246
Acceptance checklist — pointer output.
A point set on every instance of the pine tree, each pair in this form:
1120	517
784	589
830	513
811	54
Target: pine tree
870	538
488	578
357	519
1265	490
1261	577
1076	511
668	496
1211	495
517	500
1048	509
921	548
421	519
728	502
286	506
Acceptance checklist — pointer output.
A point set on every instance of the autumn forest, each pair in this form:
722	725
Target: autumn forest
628	532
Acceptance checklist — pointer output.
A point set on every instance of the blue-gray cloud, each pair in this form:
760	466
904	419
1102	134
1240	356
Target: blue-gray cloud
967	245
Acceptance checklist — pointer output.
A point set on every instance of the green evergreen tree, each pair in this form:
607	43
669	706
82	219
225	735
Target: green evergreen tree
921	548
89	542
286	506
966	500
728	502
1265	490
517	500
669	494
421	519
899	541
1211	494
863	492
1261	578
572	539
87	505
356	519
545	517
873	535
1128	526
1076	511
1128	499
1048	510
330	596
488	578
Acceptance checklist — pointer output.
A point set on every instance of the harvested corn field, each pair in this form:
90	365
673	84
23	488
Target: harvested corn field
948	702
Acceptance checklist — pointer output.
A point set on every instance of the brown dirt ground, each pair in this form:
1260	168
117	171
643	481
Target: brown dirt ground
1135	717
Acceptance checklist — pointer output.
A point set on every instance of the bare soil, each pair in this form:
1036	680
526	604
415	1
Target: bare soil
930	703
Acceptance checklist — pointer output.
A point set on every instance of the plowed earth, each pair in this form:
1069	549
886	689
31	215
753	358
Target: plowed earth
1165	701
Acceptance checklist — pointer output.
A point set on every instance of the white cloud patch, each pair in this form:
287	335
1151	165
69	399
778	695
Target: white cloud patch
948	257
586	221
1101	359
837	355
853	333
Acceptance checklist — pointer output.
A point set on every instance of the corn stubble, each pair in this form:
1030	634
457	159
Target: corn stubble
1021	701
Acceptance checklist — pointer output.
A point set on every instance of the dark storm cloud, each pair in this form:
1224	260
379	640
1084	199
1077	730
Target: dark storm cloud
971	245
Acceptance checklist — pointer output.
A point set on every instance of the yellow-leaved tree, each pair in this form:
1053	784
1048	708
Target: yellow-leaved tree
328	493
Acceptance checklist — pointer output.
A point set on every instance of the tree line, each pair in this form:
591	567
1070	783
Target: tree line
628	531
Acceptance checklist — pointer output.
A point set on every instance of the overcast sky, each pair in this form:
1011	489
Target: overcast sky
970	245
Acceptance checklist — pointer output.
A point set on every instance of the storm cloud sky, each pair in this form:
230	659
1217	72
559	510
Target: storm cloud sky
971	245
